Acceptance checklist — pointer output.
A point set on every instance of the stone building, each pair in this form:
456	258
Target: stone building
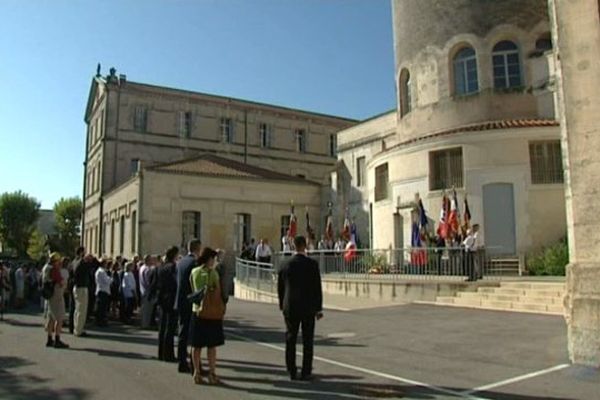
475	111
258	157
576	31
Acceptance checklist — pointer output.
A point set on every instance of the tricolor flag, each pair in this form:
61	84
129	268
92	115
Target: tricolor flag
293	228
346	229
454	217
418	256
422	215
353	234
443	228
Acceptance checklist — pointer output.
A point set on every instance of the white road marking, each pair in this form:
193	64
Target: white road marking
341	335
360	369
517	379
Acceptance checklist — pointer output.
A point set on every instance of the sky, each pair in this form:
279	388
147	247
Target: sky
328	56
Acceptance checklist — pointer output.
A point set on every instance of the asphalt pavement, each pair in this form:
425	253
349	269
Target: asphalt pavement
405	352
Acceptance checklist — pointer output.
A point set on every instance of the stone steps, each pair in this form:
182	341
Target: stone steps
536	297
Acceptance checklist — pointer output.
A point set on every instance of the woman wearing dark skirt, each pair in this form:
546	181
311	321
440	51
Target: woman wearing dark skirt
206	332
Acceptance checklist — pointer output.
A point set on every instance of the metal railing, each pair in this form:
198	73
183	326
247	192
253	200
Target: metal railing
387	264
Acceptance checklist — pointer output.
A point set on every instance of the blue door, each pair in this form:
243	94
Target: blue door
499	218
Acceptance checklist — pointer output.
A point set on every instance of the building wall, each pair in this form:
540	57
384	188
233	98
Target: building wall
166	196
427	50
162	142
500	156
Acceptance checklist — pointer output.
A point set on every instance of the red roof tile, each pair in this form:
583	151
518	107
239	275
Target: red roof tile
483	126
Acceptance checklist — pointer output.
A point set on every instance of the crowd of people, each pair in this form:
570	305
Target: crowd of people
187	294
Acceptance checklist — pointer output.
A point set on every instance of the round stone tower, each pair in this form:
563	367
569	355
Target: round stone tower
460	62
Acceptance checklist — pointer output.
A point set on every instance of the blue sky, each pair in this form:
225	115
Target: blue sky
329	56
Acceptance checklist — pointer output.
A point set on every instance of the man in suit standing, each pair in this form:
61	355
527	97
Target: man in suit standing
301	301
182	305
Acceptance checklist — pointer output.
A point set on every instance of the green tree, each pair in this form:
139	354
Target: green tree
18	215
38	249
67	213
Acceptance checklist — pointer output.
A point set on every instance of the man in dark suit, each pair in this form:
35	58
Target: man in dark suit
182	305
301	300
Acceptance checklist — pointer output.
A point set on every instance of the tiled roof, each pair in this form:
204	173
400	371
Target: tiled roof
215	166
484	126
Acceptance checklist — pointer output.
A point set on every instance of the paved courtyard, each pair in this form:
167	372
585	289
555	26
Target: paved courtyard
405	352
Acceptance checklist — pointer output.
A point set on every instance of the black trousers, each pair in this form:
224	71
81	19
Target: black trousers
291	337
102	303
71	311
185	315
166	333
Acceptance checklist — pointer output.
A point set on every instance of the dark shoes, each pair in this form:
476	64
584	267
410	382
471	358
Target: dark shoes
50	343
307	377
83	334
184	369
58	344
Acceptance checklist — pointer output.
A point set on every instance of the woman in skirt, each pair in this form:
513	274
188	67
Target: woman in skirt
206	332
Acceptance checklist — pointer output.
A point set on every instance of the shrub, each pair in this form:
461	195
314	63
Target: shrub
551	260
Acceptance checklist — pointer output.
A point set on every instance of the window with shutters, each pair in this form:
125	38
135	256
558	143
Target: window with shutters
300	140
134	166
545	158
140	119
226	130
191	226
112	237
122	235
185	124
360	171
381	182
446	169
264	133
333	145
133	231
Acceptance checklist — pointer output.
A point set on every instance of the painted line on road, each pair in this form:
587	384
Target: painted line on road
359	369
517	379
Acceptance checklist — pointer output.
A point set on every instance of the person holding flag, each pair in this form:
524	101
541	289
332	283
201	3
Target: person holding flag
443	228
293	228
329	227
454	232
310	233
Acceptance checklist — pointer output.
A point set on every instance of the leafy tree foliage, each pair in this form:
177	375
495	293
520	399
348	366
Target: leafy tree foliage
18	215
67	213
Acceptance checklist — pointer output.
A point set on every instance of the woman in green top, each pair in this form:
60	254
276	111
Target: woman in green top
205	332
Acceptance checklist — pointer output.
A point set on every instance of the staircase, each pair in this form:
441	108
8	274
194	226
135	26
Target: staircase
535	297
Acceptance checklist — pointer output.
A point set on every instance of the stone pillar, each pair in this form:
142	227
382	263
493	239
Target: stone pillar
576	34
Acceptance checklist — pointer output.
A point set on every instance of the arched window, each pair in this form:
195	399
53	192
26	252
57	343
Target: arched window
405	95
465	72
507	67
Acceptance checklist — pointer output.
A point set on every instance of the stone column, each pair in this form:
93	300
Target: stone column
576	34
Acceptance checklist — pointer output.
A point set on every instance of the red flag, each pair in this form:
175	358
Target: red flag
443	229
329	226
346	229
454	216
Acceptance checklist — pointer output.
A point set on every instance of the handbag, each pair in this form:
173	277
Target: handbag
48	289
197	296
212	306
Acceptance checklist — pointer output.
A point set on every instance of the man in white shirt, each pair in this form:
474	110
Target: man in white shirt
128	289
103	281
263	251
471	245
146	303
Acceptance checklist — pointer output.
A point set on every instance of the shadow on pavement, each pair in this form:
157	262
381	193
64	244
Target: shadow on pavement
275	383
19	385
114	353
271	335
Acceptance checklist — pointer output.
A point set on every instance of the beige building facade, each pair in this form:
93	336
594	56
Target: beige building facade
134	126
576	30
475	112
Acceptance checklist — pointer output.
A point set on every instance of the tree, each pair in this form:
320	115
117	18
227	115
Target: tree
38	248
18	215
67	213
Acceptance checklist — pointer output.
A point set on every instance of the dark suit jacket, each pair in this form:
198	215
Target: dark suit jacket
166	285
184	268
299	287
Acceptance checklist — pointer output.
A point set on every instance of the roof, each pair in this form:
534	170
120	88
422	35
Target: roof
219	167
483	126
